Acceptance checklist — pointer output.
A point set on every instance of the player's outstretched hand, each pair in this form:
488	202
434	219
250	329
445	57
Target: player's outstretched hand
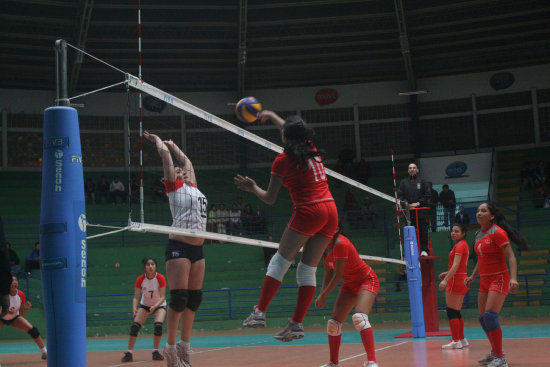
244	183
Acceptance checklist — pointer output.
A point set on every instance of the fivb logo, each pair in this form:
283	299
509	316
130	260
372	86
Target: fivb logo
58	154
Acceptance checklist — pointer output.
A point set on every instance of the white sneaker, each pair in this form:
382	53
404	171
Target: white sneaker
183	354
370	364
498	362
423	254
465	343
256	319
170	356
330	364
452	345
487	359
293	330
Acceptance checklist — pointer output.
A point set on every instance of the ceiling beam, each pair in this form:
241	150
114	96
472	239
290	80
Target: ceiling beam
404	43
82	25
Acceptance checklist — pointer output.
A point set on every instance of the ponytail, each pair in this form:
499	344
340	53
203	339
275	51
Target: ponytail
514	235
299	141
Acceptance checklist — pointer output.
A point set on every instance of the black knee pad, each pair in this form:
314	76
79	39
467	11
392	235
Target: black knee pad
157	329
134	329
33	332
195	299
452	313
178	299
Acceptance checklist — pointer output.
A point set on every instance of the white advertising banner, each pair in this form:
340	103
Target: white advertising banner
456	169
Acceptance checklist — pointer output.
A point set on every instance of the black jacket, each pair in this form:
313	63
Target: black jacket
414	191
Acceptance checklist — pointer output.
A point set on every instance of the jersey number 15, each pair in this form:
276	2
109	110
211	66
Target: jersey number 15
318	169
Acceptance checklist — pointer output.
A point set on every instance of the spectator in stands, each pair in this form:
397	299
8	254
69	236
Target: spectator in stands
363	171
352	209
526	174
213	218
462	217
368	213
235	223
413	191
400	275
541	172
102	190
15	316
32	261
222	219
134	189
241	204
260	221
345	160
117	189
268	251
432	203
247	218
540	192
448	200
89	191
14	258
159	191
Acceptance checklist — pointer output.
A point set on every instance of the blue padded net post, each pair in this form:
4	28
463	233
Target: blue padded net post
63	239
414	280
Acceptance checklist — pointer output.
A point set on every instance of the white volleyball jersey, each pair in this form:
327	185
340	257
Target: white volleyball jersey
187	204
15	304
150	289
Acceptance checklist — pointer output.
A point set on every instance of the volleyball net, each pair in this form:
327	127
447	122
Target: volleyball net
219	147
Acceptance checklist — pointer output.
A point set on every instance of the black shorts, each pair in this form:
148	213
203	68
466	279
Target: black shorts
177	250
7	322
148	309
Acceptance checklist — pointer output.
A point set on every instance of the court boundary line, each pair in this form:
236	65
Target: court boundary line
376	350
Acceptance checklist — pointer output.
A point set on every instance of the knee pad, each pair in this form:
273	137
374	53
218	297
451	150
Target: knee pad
134	329
278	266
334	328
360	321
482	323
33	332
157	329
305	275
178	299
195	299
491	320
452	313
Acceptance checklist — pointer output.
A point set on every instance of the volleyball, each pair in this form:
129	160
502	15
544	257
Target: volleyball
247	109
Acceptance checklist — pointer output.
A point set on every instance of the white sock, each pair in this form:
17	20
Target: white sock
170	346
130	351
186	345
44	350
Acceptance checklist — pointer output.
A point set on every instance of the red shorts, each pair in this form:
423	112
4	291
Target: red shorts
369	284
497	283
318	218
455	285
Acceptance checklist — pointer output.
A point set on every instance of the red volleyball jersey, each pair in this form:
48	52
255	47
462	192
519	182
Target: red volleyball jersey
461	248
305	187
488	247
16	302
150	289
356	269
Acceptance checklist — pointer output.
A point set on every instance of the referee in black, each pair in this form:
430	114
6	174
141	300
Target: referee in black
416	193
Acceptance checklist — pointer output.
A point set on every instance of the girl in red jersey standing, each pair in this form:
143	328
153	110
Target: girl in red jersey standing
358	290
492	246
311	227
151	287
453	282
14	318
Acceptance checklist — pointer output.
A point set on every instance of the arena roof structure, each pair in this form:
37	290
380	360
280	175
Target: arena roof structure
236	45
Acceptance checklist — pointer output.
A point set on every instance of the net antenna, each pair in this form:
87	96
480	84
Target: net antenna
140	85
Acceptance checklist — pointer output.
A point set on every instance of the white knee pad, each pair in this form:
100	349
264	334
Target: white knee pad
305	275
360	321
334	328
278	266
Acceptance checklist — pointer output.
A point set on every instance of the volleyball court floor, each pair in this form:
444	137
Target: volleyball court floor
524	345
